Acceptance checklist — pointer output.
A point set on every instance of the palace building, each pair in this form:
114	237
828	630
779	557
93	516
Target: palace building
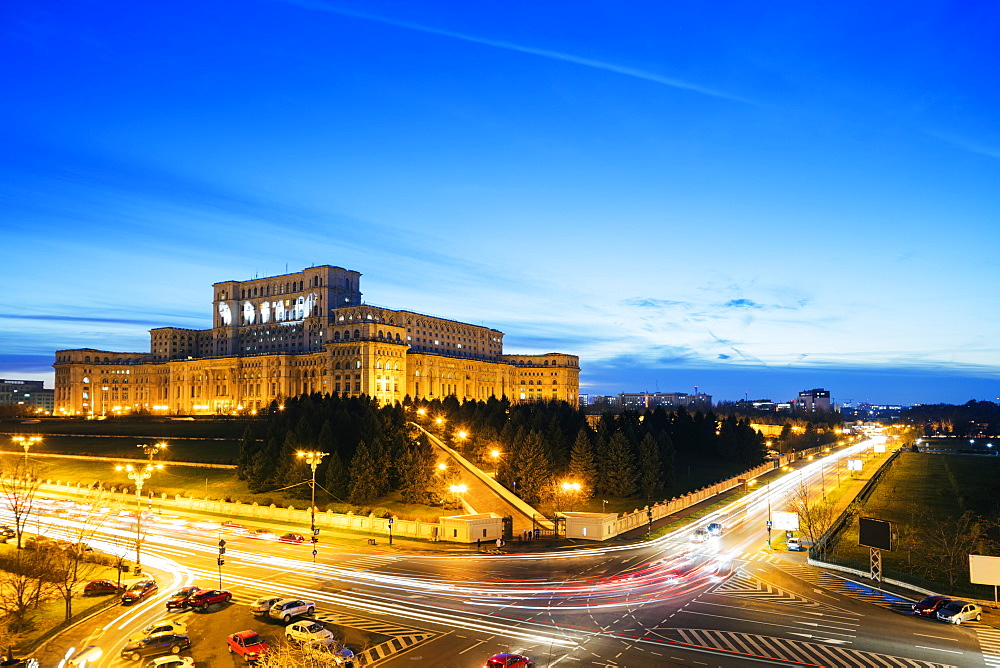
302	333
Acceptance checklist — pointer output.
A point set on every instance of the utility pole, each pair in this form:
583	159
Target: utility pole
313	459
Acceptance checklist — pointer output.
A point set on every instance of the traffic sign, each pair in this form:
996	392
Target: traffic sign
222	551
769	524
222	543
315	532
315	553
390	520
221	561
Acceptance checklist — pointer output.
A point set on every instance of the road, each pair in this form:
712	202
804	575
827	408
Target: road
668	602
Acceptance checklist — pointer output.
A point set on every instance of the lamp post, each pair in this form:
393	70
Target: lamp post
458	491
140	475
26	442
313	459
570	488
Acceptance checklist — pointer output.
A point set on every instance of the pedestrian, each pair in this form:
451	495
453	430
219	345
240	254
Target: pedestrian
479	542
499	543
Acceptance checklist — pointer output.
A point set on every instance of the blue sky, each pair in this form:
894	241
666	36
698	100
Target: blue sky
749	198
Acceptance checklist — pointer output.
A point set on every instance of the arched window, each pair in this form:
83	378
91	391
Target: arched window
378	365
337	366
357	364
86	359
357	333
397	336
380	334
336	336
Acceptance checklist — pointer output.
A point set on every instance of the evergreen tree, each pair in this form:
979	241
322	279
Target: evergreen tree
649	467
336	480
248	448
620	472
416	472
533	469
581	464
667	468
364	476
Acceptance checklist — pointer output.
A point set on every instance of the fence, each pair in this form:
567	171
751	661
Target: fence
638	518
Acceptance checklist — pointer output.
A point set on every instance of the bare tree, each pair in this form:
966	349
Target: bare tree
949	544
18	490
816	514
76	562
290	655
23	584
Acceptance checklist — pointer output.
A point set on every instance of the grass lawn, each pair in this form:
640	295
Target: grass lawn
52	612
211	451
942	485
132	427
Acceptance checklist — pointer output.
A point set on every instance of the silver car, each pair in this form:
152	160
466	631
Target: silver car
287	608
262	606
957	612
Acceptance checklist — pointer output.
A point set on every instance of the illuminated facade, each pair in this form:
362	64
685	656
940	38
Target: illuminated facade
301	333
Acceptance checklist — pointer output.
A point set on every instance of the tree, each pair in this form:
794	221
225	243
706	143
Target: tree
816	514
18	489
949	544
416	472
365	475
649	467
23	583
248	448
581	464
73	564
337	479
619	476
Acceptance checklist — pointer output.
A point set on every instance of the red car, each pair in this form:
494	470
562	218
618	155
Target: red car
292	538
930	605
181	598
509	661
206	597
102	586
248	644
139	591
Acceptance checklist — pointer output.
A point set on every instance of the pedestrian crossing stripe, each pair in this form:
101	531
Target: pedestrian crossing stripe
758	556
366	624
989	645
741	585
797	651
847	588
383	651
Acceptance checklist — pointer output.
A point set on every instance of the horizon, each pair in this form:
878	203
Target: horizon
757	203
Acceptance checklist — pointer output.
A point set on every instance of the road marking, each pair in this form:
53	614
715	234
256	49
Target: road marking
472	647
938	649
783	614
927	635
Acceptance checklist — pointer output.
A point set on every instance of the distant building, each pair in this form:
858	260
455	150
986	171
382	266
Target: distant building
863	412
813	401
638	401
26	393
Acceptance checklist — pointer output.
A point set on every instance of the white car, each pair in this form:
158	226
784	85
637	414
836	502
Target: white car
171	662
262	605
308	632
287	608
160	626
794	545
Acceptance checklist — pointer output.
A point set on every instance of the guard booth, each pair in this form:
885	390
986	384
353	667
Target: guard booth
589	526
485	527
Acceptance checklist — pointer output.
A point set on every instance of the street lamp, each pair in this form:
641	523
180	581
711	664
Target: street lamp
140	476
570	488
313	459
26	442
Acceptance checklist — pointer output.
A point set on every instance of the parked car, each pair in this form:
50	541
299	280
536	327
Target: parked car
509	661
206	597
956	612
287	608
161	643
180	598
171	662
264	534
794	545
929	606
699	536
292	538
139	591
329	654
262	606
308	632
714	529
247	644
101	587
6	532
159	627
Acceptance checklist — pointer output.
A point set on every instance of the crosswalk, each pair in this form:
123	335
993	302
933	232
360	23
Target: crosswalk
798	651
743	586
852	590
989	645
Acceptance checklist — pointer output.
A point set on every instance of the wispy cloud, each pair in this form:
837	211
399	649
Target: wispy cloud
742	303
542	53
967	144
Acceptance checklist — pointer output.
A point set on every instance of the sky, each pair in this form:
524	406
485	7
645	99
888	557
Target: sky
750	198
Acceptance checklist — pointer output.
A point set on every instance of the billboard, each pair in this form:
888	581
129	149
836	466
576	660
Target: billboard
984	570
853	464
783	521
874	533
879	447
